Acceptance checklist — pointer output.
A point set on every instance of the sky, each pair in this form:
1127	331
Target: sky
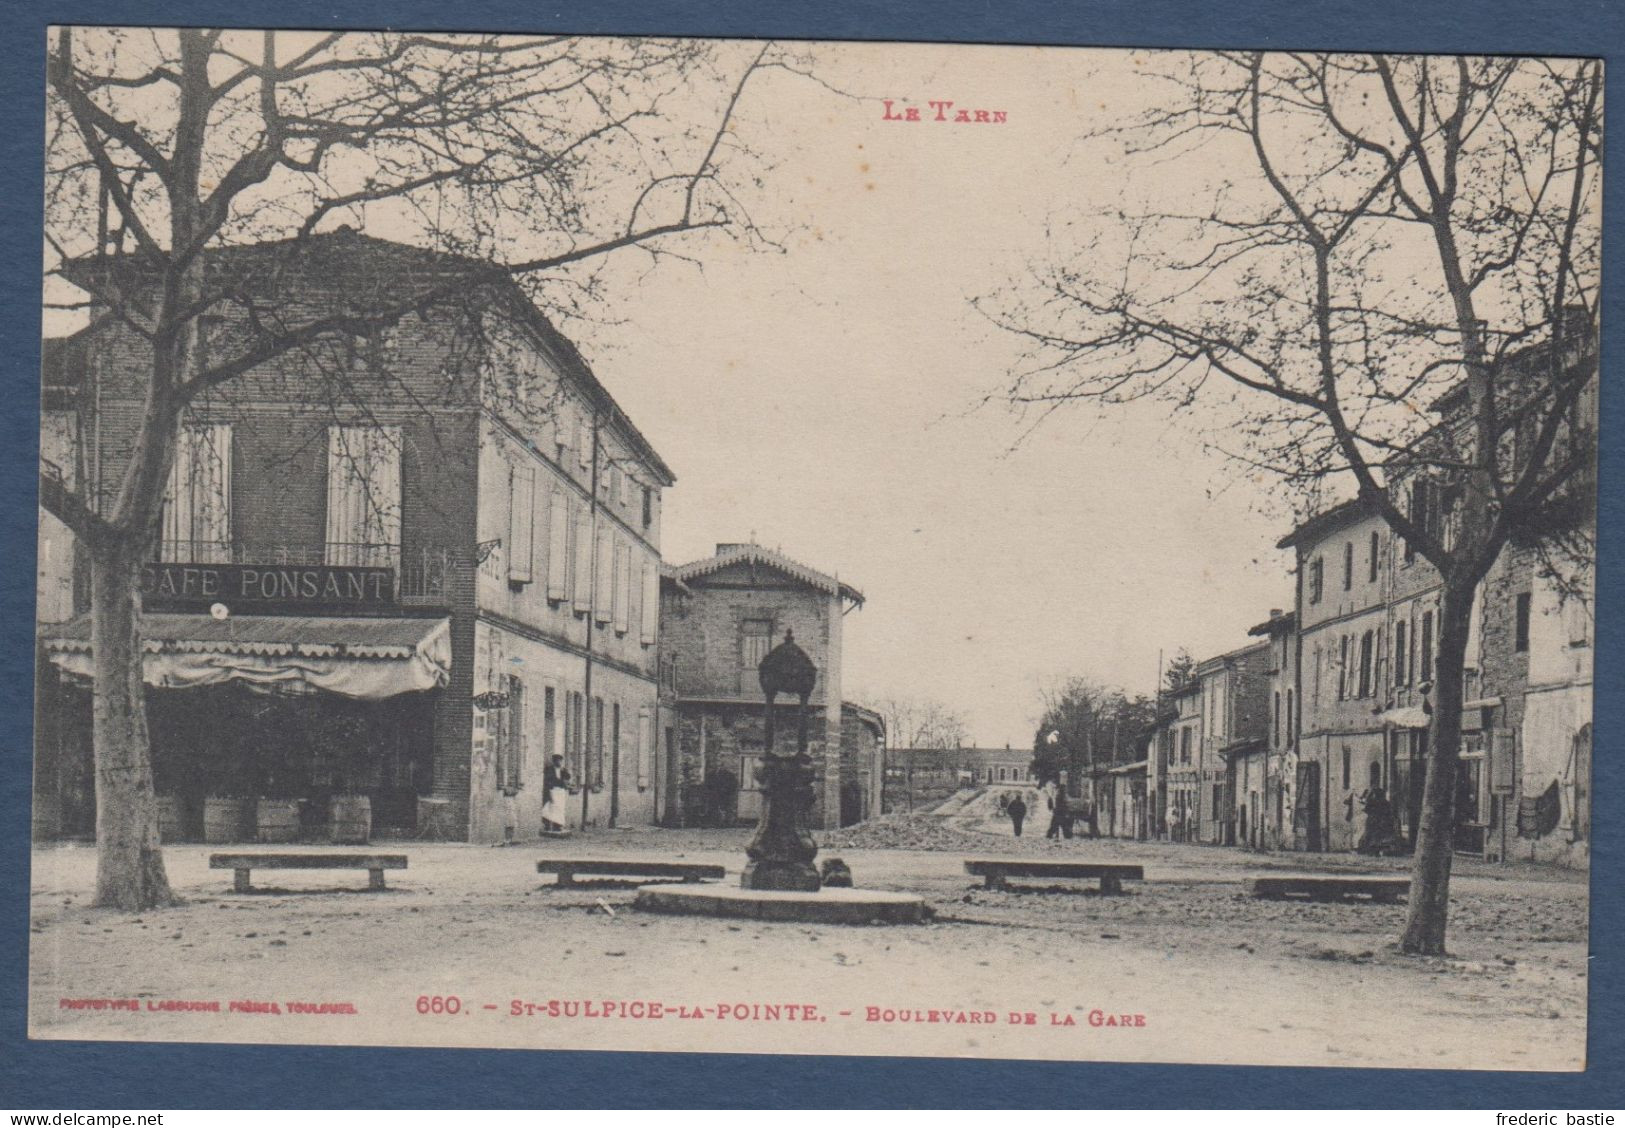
825	401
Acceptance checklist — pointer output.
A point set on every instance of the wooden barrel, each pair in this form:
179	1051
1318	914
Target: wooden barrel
277	820
350	819
171	819
227	820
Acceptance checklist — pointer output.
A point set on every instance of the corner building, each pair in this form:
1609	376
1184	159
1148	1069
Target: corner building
410	565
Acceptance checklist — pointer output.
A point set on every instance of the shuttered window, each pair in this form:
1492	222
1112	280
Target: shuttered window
1366	688
651	602
755	640
583	442
573	742
604	594
521	522
363	496
197	501
596	741
634	589
511	741
583	576
1475	616
558	545
618	595
646	747
550	720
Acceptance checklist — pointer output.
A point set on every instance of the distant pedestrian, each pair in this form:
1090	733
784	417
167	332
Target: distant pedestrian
1190	824
1172	821
1060	819
1017	810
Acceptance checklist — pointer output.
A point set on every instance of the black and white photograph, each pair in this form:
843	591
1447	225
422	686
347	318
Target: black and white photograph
806	547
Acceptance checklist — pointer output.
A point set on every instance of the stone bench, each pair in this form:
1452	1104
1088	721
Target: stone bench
1386	890
996	871
374	864
568	869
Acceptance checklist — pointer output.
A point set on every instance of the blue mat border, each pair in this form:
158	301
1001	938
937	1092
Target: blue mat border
48	1076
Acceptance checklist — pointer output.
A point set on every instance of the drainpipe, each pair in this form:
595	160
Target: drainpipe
587	730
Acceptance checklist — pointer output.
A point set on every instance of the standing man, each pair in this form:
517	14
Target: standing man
1060	820
1017	810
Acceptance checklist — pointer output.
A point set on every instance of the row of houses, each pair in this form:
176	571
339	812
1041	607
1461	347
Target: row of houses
1283	743
415	566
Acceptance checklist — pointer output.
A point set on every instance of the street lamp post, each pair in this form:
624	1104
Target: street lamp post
782	851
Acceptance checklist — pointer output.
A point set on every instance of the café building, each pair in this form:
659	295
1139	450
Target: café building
395	581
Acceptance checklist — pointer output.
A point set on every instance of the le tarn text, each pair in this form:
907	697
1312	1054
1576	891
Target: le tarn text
941	110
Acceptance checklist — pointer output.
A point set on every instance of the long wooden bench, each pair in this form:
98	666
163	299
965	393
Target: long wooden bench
1315	887
568	869
242	864
996	871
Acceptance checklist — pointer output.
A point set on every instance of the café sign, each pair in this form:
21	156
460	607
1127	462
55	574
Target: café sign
265	587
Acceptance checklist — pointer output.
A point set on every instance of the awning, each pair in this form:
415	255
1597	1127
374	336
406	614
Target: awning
365	658
1409	717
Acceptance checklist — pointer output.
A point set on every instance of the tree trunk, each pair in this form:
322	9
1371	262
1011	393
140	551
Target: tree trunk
129	863
1430	874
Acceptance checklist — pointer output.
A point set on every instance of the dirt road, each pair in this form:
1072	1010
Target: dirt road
471	947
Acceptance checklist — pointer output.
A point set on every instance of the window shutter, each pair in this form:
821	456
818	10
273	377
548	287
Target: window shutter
558	546
651	602
521	522
210	489
634	589
623	587
178	502
646	747
569	722
595	729
1471	655
363	495
583	442
340	496
583	576
516	733
604	596
384	495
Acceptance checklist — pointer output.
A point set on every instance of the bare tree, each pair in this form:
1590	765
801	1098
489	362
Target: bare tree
1355	240
537	155
915	724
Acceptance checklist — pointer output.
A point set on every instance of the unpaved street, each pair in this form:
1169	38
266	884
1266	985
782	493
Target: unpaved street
1202	973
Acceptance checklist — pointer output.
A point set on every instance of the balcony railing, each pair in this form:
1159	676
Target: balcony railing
423	577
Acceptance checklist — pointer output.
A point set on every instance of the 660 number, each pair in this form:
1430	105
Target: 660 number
439	1004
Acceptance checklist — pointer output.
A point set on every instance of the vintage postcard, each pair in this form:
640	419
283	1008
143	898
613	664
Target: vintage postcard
816	548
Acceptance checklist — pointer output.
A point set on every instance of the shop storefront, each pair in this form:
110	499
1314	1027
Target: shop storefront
271	726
